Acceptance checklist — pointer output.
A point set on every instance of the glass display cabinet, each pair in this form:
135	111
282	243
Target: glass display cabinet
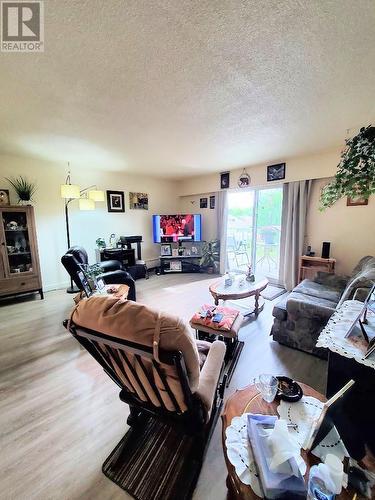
19	260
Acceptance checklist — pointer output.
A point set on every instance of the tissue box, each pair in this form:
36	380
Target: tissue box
289	485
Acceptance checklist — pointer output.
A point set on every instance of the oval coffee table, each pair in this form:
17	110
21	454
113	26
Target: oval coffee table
240	289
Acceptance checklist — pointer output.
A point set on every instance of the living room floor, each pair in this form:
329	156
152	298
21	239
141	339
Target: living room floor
60	415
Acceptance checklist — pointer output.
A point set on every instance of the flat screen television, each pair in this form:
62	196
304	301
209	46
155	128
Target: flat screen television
178	227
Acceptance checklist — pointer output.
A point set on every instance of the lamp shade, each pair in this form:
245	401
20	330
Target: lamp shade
96	195
69	191
86	204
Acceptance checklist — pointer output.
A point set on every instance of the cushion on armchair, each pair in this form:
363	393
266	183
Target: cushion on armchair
331	280
306	306
319	291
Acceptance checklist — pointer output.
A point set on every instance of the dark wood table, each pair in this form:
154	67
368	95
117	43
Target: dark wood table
249	400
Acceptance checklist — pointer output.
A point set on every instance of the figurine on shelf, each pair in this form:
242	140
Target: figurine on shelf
112	241
12	225
249	274
20	243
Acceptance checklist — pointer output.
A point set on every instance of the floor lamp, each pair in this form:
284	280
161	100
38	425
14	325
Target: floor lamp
87	198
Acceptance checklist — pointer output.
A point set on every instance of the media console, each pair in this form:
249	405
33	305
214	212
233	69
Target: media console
184	257
180	264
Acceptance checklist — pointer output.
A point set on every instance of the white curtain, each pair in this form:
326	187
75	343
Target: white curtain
296	197
222	216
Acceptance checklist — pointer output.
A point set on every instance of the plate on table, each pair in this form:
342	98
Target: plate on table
288	390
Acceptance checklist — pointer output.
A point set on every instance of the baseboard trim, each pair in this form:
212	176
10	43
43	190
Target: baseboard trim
55	286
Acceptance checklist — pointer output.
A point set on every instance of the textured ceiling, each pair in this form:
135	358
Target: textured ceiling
179	88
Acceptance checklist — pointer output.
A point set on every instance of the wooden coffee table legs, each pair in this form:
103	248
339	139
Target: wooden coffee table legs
258	306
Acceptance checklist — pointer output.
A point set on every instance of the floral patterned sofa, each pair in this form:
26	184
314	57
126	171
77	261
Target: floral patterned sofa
301	315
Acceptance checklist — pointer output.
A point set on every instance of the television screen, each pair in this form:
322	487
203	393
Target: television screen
179	227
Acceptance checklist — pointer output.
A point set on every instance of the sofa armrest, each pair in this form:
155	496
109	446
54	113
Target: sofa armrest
309	308
110	265
331	280
209	375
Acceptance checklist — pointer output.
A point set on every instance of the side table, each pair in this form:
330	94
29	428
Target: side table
249	400
310	266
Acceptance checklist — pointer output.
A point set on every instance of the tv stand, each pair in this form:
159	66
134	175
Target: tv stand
180	264
188	262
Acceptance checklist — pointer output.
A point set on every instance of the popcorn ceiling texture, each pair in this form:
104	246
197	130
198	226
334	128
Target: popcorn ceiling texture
180	88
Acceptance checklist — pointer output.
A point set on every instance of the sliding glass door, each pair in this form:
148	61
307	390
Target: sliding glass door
254	230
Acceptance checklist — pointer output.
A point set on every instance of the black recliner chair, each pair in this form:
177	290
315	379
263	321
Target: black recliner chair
113	272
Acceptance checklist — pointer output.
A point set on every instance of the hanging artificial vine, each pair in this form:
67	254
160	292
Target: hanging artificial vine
355	175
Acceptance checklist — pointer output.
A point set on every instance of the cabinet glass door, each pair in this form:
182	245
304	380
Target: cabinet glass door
17	242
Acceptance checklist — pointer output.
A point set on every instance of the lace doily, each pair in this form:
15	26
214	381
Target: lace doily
333	335
303	413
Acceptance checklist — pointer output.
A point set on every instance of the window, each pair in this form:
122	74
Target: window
254	231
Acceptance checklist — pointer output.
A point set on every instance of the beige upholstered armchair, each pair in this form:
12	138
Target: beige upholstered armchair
163	372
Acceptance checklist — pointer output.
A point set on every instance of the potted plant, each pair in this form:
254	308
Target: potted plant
355	175
92	271
211	256
23	188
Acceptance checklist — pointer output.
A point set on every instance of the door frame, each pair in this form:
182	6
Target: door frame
256	190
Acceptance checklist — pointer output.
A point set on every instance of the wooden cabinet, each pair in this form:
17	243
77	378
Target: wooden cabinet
309	266
19	259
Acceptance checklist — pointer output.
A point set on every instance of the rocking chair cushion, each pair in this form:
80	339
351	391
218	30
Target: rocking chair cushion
210	374
147	379
136	322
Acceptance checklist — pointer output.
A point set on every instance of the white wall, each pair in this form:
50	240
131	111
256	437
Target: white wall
191	204
349	229
85	227
314	166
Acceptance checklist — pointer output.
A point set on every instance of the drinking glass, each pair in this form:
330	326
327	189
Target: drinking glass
267	386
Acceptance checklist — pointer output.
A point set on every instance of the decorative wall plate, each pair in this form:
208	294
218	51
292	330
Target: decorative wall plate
244	180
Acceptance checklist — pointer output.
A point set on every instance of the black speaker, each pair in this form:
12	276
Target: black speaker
325	249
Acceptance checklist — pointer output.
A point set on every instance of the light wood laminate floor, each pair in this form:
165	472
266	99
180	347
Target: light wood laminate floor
60	415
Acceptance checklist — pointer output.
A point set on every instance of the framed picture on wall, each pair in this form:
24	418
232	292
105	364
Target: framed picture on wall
356	202
203	203
4	197
212	202
276	172
115	201
138	201
224	180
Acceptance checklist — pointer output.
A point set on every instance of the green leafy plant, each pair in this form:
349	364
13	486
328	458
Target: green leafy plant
355	175
94	270
24	189
211	255
100	243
